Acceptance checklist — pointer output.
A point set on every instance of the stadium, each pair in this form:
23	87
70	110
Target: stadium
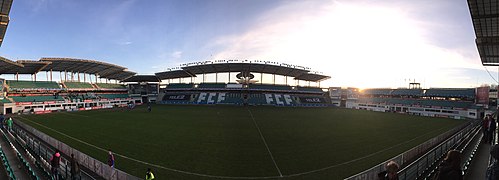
231	119
257	108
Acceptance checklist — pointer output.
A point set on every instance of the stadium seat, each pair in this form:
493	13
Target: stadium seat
36	98
5	100
211	86
32	85
377	91
407	92
78	85
113	96
179	86
270	86
309	89
110	86
459	93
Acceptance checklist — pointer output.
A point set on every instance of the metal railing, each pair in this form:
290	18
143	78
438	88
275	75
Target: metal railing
438	145
44	146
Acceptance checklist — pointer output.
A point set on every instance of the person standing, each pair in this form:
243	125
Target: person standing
110	159
75	168
9	124
390	172
55	162
2	118
149	174
149	107
491	130
485	127
450	168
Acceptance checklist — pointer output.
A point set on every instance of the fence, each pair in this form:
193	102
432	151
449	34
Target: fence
44	146
445	142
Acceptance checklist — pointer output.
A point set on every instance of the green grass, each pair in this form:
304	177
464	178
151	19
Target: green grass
224	141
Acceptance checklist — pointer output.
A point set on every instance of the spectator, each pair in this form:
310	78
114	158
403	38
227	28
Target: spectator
390	172
75	168
55	161
493	170
450	168
149	107
1	120
149	174
491	130
485	127
110	159
9	124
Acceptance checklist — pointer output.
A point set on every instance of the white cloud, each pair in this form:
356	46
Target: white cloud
126	43
176	54
358	44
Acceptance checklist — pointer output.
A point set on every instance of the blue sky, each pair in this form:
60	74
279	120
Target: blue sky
360	43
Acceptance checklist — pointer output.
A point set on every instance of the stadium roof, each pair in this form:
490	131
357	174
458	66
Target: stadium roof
82	65
142	78
485	16
174	74
29	67
299	73
6	65
5	6
120	75
104	70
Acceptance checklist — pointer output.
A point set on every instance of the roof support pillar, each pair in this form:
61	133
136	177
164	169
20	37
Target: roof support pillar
17	76
308	83
319	84
274	79
191	80
229	77
286	80
216	77
50	74
78	76
96	77
84	77
65	75
72	76
34	76
47	75
203	77
261	78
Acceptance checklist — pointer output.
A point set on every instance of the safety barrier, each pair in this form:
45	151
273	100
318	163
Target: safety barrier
44	146
444	141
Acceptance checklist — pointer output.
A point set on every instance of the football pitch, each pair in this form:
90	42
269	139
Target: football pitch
199	142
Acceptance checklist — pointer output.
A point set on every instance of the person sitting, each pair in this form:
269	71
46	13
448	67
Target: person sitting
390	172
450	168
492	172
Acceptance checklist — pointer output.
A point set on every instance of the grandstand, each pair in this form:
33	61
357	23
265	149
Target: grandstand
79	87
247	90
442	102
